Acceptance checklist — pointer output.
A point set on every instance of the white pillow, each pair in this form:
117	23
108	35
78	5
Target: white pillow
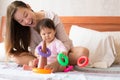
3	56
2	52
100	45
81	35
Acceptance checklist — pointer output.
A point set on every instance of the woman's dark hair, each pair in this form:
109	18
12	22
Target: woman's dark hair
17	37
45	23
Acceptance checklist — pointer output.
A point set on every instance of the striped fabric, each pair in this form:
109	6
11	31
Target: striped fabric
116	37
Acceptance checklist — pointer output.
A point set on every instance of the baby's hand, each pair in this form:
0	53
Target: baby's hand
52	66
55	67
36	54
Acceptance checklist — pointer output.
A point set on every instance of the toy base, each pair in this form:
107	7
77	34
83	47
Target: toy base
41	71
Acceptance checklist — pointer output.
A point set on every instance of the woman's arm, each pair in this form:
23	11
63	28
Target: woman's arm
35	40
61	33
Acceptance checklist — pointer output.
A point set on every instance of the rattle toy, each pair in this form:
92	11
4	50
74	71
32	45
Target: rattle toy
82	61
62	59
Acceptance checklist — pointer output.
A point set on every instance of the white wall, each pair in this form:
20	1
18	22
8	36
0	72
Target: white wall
71	7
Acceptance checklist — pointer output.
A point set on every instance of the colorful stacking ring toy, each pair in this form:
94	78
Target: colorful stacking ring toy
82	61
62	59
42	53
41	71
69	68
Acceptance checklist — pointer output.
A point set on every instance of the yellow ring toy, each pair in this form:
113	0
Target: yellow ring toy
41	71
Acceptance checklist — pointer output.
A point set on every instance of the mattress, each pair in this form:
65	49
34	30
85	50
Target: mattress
11	71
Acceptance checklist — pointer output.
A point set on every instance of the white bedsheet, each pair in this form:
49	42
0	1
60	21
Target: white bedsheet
11	71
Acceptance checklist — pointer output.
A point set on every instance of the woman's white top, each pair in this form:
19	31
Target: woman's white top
60	33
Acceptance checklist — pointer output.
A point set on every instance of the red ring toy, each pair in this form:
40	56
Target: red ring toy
41	71
82	61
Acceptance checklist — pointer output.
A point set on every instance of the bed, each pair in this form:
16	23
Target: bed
99	23
94	25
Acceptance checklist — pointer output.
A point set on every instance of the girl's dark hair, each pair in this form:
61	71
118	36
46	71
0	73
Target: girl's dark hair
45	23
17	37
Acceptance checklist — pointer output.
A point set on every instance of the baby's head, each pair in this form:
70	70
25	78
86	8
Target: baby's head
46	29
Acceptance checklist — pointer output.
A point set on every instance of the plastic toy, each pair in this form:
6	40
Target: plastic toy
42	71
44	52
69	68
82	61
43	60
40	64
62	59
47	54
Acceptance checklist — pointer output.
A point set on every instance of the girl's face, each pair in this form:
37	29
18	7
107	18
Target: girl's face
47	34
25	16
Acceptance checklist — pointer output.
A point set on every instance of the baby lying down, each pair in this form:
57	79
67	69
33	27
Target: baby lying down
103	53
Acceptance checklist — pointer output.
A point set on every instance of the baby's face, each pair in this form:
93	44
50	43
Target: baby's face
47	34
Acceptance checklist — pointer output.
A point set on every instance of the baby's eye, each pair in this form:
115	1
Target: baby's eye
43	34
49	32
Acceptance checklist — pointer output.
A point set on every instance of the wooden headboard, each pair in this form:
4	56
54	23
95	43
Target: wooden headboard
2	25
99	23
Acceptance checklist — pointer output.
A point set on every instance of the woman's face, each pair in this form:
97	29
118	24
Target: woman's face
25	16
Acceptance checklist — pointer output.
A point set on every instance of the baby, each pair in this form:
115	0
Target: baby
47	31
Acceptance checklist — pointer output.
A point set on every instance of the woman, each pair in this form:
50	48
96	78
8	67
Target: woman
22	38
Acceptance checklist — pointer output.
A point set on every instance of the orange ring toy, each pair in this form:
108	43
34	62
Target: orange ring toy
42	71
82	61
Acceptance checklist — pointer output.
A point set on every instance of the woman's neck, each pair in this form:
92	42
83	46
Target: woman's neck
40	15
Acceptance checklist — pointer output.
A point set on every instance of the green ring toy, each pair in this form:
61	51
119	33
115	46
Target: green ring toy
62	59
